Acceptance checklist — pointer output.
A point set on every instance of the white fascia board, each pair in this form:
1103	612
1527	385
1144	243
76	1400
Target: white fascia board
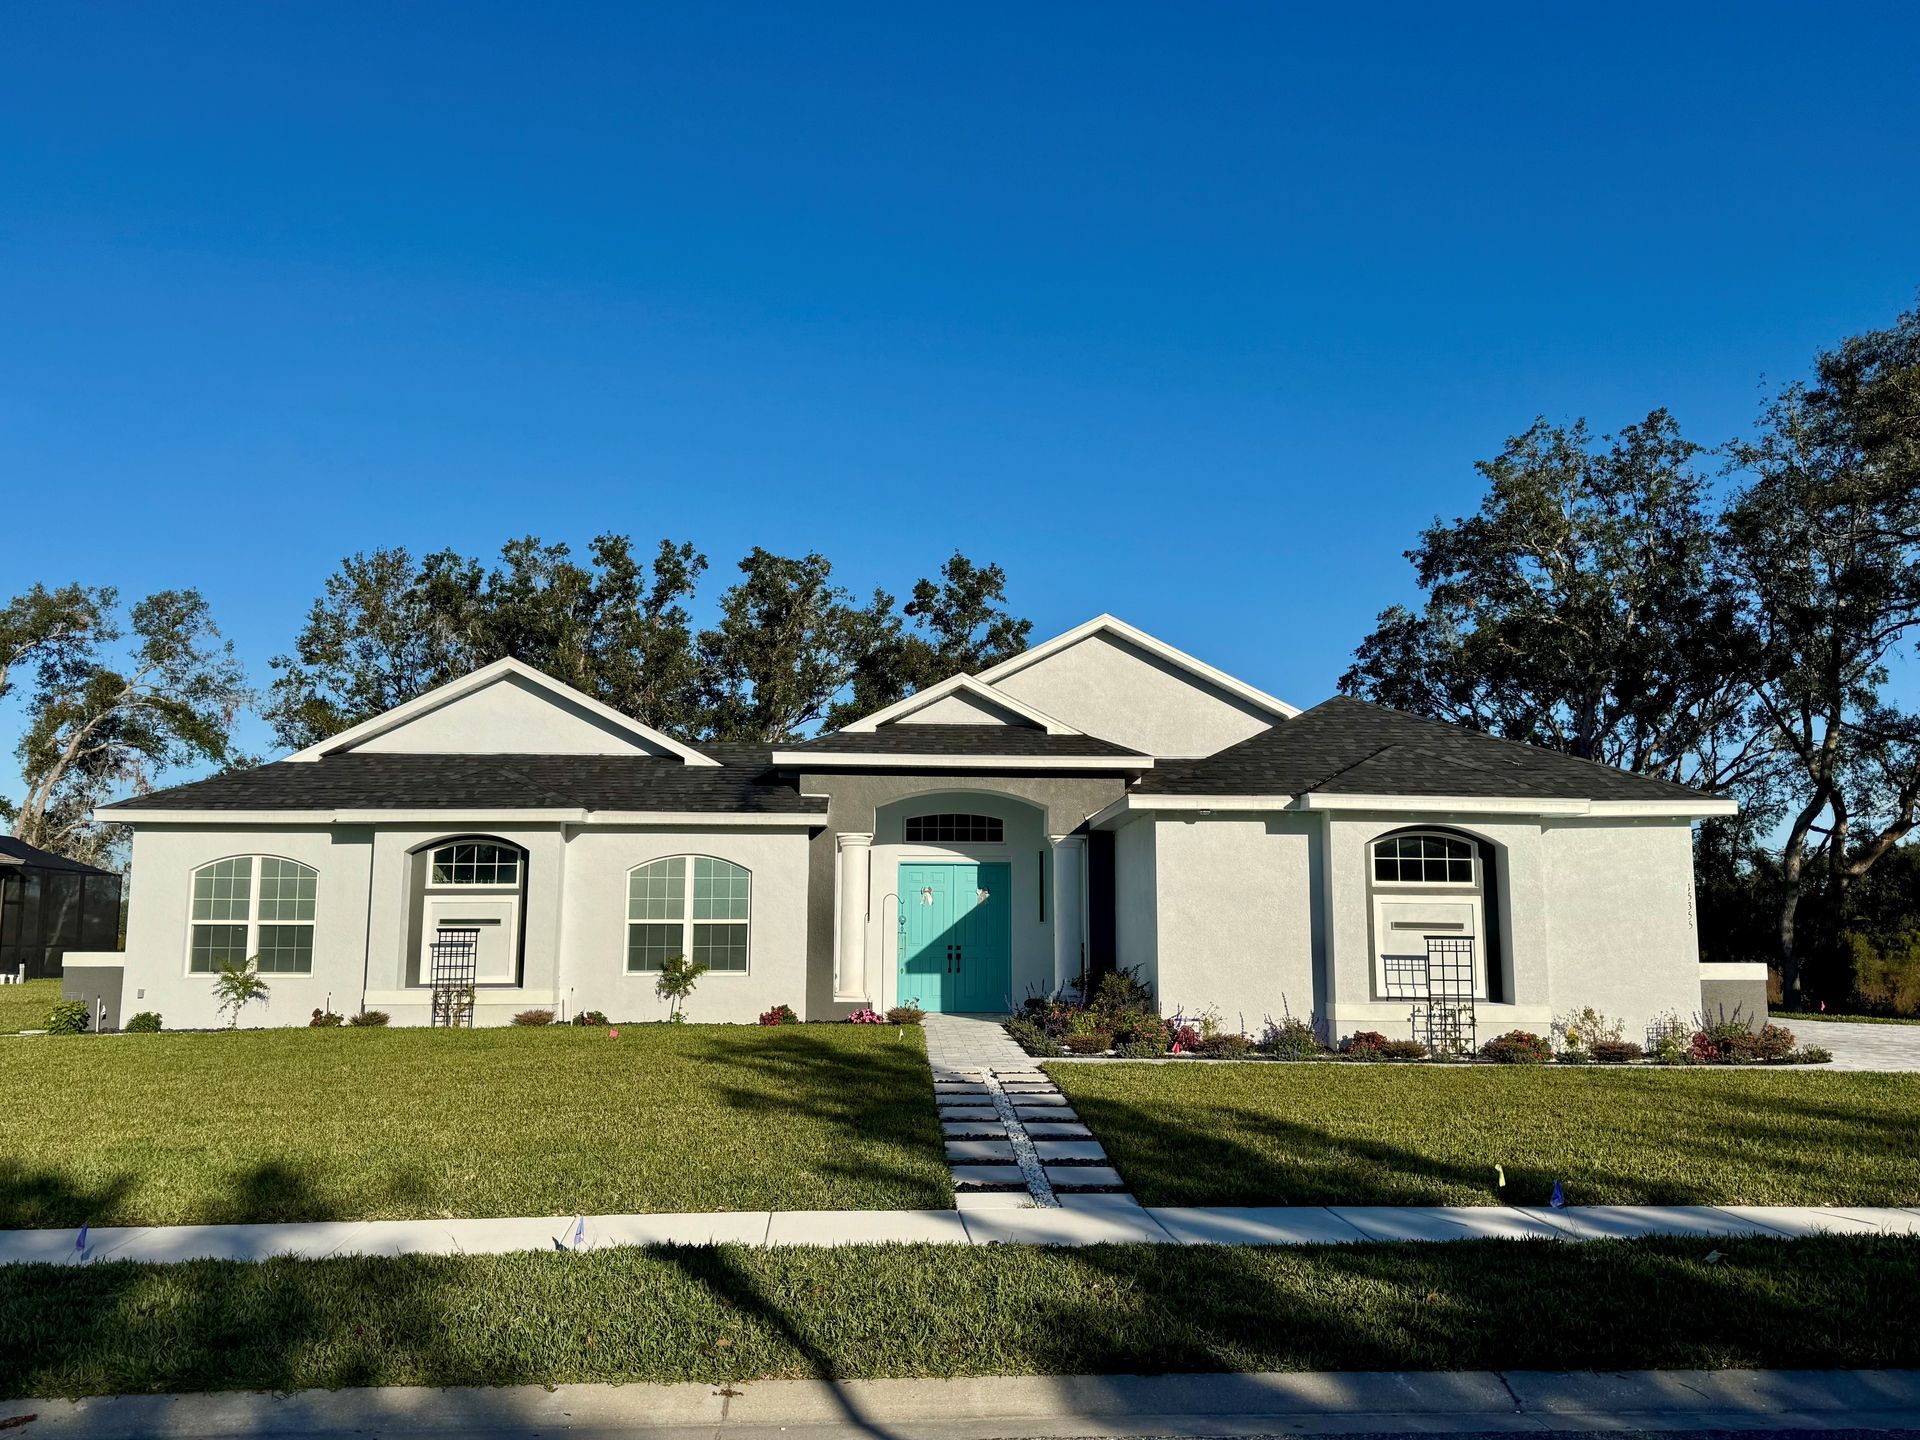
843	760
675	818
479	679
1140	639
1128	806
898	712
1480	805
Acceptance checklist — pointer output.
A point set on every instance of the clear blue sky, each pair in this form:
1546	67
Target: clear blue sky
1194	313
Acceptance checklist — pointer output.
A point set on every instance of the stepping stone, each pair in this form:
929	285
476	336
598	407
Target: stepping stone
955	1116
981	1150
989	1175
1056	1130
1084	1177
1023	1114
1038	1100
974	1130
966	1200
1049	1150
960	1092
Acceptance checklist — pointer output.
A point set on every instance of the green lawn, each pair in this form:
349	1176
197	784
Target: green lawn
362	1124
732	1314
25	1007
1402	1135
1791	1018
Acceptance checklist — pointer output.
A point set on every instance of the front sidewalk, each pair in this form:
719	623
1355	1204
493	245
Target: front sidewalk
992	1407
988	1219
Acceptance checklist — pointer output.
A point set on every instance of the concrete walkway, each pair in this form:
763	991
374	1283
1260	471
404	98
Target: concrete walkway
1002	1407
992	1218
1856	1046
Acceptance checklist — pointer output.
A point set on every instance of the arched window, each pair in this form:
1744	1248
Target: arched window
249	906
1433	886
475	862
707	922
1423	860
955	830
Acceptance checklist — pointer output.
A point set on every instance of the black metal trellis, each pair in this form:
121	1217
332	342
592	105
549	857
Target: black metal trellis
1440	985
454	960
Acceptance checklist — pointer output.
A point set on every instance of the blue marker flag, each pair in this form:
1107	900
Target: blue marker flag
579	1232
80	1241
1559	1201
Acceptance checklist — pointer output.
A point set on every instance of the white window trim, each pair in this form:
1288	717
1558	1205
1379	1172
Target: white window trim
687	921
253	921
1458	886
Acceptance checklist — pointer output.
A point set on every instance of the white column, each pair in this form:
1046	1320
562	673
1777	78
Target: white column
1069	907
855	854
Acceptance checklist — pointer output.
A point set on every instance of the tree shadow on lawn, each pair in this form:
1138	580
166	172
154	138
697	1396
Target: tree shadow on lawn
879	1100
1736	1150
268	1192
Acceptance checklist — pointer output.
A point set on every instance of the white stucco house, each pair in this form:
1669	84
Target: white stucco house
1101	800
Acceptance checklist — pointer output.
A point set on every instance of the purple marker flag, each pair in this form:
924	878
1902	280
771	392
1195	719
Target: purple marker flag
1559	1201
80	1241
579	1231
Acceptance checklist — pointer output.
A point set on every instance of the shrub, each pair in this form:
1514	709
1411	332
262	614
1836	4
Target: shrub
1149	1030
324	1020
1089	1042
534	1017
1184	1040
238	986
1734	1042
1811	1055
68	1017
1363	1045
590	1017
1120	994
1403	1050
674	984
866	1015
370	1018
1031	1037
147	1022
1225	1046
1517	1047
1142	1048
908	1014
1615	1052
1291	1039
779	1015
1577	1031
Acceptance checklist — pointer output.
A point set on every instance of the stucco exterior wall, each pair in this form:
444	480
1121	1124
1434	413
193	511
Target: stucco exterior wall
159	922
1136	901
1236	916
1620	919
366	931
507	717
1106	687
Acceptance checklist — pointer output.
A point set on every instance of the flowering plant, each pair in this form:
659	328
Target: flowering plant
779	1015
866	1015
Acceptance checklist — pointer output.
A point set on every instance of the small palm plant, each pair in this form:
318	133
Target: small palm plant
236	987
678	976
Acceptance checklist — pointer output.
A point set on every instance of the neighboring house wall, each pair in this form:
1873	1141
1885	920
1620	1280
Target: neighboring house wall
1235	916
1106	687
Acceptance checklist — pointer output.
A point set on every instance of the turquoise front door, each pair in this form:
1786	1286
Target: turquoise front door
956	937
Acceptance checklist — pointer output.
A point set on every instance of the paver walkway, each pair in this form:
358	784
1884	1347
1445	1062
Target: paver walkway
1856	1046
971	1042
981	1220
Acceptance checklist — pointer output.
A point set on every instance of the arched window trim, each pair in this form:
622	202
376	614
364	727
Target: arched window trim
700	906
1453	880
484	855
271	903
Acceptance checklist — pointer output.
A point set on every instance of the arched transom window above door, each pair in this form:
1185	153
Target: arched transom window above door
950	829
1423	860
474	862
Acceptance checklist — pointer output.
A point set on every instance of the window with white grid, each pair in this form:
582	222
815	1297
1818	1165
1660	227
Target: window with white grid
253	907
706	921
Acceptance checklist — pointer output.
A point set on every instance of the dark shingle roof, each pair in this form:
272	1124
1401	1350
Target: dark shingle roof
1349	747
742	783
1011	740
18	852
